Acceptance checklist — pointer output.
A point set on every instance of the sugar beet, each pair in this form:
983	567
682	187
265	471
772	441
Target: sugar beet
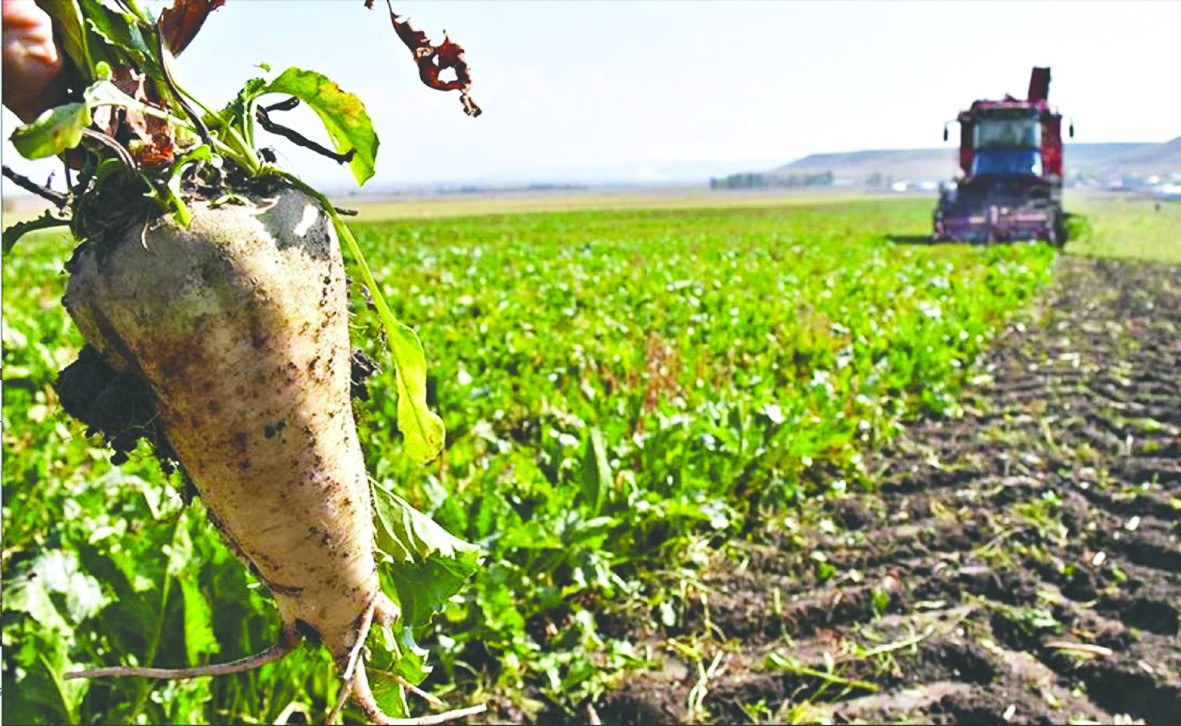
239	326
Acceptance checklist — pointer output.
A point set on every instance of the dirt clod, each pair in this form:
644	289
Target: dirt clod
117	405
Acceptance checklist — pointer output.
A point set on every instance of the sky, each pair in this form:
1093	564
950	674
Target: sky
632	89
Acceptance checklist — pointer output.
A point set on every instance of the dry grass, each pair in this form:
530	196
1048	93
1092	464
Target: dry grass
465	205
431	206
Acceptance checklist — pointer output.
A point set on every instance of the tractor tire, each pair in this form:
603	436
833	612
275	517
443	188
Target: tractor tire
1056	237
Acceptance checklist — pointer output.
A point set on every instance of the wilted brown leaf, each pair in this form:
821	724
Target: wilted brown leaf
179	24
149	137
433	60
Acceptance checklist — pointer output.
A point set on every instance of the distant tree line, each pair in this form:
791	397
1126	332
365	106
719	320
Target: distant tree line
771	181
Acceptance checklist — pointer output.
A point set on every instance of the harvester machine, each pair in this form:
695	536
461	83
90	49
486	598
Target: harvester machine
1009	185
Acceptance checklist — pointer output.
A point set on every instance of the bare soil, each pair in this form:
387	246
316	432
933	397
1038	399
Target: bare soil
1021	563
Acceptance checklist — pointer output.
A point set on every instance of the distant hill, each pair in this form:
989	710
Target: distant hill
858	165
1155	159
934	164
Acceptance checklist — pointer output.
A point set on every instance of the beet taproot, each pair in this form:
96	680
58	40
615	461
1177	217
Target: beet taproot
239	326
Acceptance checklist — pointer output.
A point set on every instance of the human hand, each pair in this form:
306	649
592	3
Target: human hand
33	71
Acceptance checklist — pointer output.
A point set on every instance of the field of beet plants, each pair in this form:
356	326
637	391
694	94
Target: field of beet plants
623	391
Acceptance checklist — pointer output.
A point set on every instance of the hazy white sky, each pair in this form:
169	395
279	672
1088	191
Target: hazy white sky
577	84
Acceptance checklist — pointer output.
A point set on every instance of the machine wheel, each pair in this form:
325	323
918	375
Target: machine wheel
1057	234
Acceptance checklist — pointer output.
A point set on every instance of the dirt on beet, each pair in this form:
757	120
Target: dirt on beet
120	406
1019	564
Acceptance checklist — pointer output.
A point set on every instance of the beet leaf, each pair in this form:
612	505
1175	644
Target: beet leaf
425	563
343	114
53	132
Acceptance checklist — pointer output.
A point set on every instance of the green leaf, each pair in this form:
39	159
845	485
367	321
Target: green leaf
105	93
138	11
53	132
239	113
195	155
391	655
67	20
47	696
121	33
199	637
343	115
106	168
422	429
596	472
425	563
56	572
387	691
15	231
28	595
56	597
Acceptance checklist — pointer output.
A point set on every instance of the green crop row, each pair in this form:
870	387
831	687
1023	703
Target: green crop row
621	390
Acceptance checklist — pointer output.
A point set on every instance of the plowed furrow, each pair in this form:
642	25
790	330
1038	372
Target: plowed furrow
1021	564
